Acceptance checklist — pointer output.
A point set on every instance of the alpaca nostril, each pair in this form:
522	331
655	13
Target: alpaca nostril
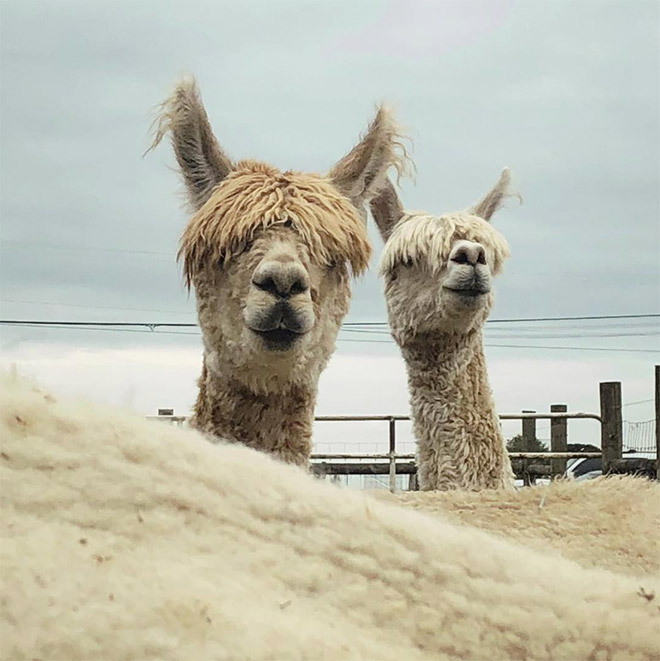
460	257
468	252
281	282
266	284
298	286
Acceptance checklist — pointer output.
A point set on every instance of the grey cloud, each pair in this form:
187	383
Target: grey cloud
565	94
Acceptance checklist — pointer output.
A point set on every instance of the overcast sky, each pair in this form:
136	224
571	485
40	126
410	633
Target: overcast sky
564	93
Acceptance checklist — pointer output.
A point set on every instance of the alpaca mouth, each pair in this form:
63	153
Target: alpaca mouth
469	292
278	339
280	326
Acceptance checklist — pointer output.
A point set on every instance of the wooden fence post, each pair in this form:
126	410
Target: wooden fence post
657	422
611	430
528	436
558	439
392	422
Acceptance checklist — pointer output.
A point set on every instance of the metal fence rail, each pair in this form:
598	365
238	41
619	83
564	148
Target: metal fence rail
394	459
638	435
400	463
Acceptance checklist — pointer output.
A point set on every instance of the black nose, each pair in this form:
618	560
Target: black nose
282	280
472	253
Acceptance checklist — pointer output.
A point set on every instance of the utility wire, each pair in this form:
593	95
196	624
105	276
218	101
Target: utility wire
536	319
354	324
91	307
641	401
125	328
512	334
59	246
375	325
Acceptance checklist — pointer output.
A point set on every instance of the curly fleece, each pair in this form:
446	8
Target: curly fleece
610	522
124	539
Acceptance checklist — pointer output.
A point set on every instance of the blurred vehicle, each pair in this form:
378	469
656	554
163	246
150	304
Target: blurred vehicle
588	468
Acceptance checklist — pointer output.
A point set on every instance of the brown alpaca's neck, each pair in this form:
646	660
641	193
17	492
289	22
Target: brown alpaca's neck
460	444
278	423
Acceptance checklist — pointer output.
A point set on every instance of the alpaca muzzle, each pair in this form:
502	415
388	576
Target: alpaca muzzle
281	324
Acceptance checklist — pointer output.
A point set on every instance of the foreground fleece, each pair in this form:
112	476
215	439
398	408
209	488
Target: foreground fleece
126	539
611	522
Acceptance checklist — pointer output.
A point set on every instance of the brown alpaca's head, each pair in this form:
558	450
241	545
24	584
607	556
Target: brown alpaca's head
270	253
438	270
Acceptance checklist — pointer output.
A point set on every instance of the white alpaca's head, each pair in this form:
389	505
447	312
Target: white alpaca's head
438	270
270	253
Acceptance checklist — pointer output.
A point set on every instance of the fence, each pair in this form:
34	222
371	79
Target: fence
552	463
639	436
392	463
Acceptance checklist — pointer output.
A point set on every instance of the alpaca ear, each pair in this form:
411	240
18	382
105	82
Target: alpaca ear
203	164
492	201
386	209
361	173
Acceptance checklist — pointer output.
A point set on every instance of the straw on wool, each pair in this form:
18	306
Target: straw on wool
256	196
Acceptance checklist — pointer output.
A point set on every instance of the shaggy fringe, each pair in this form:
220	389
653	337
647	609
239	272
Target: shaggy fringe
420	236
256	196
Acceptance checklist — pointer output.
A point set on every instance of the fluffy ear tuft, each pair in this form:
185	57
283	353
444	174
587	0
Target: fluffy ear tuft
362	172
203	164
493	200
386	209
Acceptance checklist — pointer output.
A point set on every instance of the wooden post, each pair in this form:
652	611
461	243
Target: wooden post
657	422
528	436
392	453
558	439
611	429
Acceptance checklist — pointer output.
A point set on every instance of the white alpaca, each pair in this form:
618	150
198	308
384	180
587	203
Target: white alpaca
438	273
124	539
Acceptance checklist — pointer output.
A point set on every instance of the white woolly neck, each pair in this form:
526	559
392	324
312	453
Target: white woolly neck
460	444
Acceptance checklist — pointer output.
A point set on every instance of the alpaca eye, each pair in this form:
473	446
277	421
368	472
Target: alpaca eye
407	262
221	261
287	223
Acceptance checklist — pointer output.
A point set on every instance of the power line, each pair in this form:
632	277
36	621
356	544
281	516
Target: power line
538	346
354	324
546	336
513	335
91	307
61	246
641	401
146	324
653	315
125	327
585	318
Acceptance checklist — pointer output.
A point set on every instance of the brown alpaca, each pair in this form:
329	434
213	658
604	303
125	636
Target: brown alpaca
438	273
269	255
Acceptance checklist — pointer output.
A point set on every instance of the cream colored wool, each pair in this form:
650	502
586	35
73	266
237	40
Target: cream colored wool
438	300
269	255
124	539
611	522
